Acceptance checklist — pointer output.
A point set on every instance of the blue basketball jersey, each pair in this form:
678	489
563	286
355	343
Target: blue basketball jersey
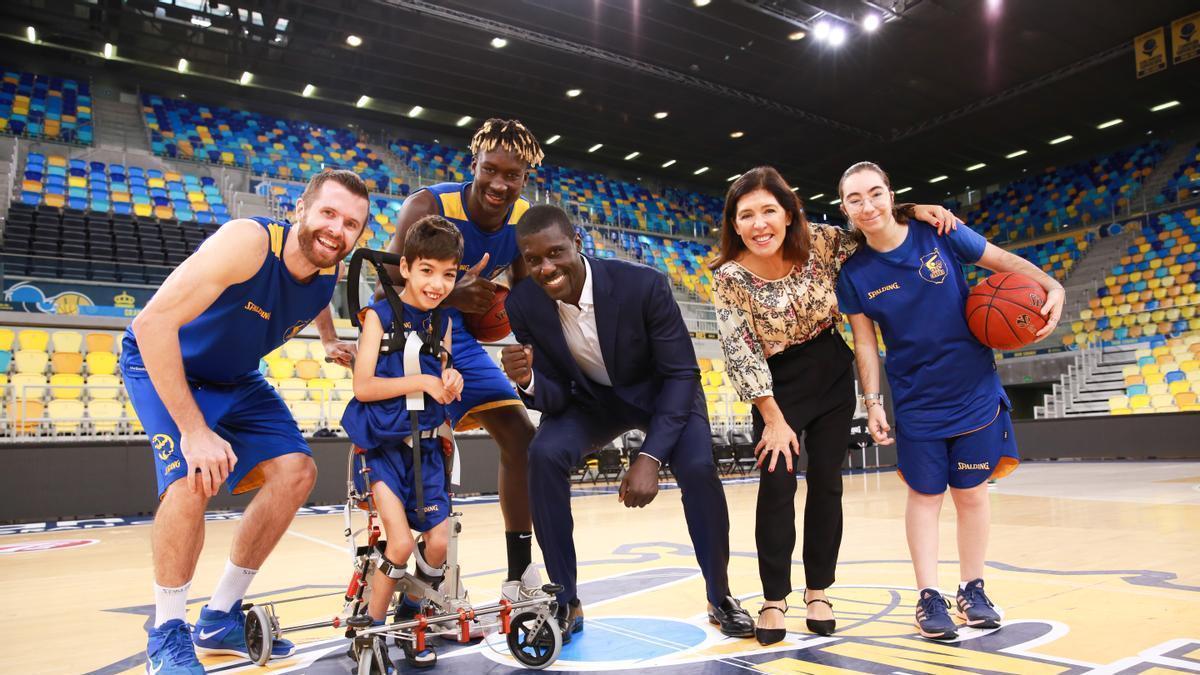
376	423
248	320
451	200
943	380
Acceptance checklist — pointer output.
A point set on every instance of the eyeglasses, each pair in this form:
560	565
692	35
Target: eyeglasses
857	203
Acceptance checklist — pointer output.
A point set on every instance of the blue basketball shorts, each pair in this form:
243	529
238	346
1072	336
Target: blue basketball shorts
485	386
962	461
392	465
249	415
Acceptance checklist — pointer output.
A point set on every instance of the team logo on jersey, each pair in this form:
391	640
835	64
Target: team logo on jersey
894	286
164	445
933	267
294	330
251	307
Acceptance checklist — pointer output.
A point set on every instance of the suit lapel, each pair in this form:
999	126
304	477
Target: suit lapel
606	308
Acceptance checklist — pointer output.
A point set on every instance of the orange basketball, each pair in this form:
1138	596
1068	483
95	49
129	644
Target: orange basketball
492	325
1004	310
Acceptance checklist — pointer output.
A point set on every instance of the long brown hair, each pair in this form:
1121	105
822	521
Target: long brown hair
797	241
901	212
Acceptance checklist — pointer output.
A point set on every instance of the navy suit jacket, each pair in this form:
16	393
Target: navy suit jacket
646	348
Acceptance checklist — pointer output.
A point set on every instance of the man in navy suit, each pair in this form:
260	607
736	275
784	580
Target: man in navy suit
604	350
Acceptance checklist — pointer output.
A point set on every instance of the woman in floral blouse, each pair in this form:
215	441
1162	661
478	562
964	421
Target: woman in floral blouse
774	282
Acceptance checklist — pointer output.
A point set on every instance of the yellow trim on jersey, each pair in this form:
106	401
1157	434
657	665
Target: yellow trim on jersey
468	422
518	210
452	206
276	232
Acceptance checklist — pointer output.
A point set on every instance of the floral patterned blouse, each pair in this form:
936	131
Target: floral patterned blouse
758	318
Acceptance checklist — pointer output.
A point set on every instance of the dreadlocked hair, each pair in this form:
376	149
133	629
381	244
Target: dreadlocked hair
508	135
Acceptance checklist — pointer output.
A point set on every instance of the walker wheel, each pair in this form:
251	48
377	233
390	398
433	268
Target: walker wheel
534	651
372	656
260	634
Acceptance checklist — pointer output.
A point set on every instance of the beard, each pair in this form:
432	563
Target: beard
312	252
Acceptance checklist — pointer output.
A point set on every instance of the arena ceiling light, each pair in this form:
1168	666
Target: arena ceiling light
701	3
1061	139
463	121
31	33
632	155
1015	154
733	178
661	115
308	90
797	35
976	167
182	66
499	43
818	195
1110	123
553	139
667	163
362	101
246	77
353	40
737	134
110	50
699	171
1158	108
837	36
871	23
415	111
903	190
595	147
572	93
835	202
821	31
938	179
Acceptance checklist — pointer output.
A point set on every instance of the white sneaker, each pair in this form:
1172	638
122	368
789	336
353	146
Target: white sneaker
528	587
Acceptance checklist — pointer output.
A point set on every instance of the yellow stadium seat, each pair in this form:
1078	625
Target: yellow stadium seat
135	424
716	379
343	389
705	365
103	387
1185	399
281	368
333	413
1154	378
307	369
333	371
33	339
6	339
307	413
30	361
66	341
741	409
1134	379
320	389
101	363
274	355
66	415
296	349
104	415
1139	401
316	350
66	362
1157	389
66	386
24	415
1162	401
718	365
293	389
100	342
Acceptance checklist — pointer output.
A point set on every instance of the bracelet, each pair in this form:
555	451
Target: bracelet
868	404
876	396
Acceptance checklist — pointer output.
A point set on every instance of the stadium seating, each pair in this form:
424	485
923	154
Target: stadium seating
265	145
1165	378
385	211
1056	256
39	106
1185	181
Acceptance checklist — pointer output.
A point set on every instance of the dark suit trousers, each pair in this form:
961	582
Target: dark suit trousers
562	441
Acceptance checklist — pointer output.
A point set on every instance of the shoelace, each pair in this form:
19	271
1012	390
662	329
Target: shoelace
976	596
935	605
178	644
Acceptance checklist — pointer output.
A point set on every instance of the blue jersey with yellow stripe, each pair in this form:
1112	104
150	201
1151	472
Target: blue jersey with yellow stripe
451	199
248	319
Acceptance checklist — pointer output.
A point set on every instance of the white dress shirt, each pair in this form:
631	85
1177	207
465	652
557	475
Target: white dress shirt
579	329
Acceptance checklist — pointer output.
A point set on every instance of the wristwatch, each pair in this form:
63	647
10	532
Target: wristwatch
876	398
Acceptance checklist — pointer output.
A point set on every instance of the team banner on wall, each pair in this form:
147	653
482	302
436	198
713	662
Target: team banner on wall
49	297
1150	52
1185	38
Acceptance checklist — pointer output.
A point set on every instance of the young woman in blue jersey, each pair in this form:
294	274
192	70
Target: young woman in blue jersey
377	420
952	415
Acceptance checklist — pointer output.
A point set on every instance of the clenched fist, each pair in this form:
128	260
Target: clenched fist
518	364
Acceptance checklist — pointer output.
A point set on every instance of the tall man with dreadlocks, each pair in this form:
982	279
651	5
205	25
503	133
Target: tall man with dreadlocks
485	210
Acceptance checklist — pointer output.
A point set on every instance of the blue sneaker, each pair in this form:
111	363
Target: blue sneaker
975	608
225	633
170	652
933	621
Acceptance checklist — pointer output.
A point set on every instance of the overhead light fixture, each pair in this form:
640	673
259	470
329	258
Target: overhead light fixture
701	3
595	147
246	77
1157	108
938	179
699	171
871	23
797	35
572	93
818	195
733	178
463	121
1016	153
110	50
182	66
795	189
499	43
835	202
631	155
821	30
31	33
308	90
837	36
353	40
661	115
1110	123
667	163
362	101
1061	139
415	111
976	167
201	21
903	190
552	139
737	134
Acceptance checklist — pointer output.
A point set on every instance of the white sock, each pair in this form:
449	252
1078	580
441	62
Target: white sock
170	603
231	588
